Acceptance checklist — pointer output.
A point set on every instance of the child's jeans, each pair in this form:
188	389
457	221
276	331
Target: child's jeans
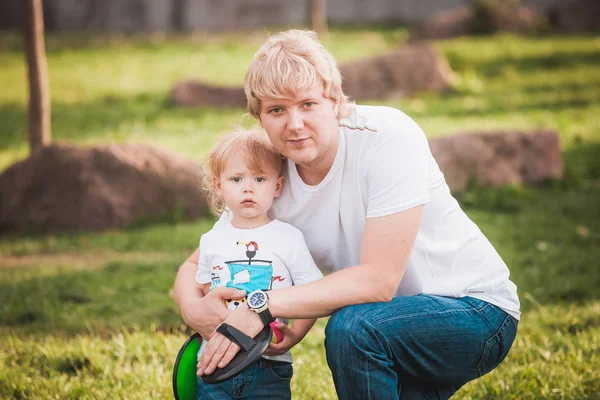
264	380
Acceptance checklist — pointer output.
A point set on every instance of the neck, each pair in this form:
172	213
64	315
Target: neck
249	223
313	173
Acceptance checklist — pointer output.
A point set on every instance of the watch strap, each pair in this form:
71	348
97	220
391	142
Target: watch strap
266	317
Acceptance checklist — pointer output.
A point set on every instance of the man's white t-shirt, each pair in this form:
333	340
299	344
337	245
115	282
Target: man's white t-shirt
268	257
384	166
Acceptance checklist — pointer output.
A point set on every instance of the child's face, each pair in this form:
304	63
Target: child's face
248	194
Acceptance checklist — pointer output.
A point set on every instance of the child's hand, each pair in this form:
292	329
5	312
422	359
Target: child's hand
290	339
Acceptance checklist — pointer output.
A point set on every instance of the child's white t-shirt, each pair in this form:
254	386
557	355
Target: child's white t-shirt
272	256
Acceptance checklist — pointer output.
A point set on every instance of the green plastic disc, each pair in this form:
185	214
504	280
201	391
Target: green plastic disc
184	371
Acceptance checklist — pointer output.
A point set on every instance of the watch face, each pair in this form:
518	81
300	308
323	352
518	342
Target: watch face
257	299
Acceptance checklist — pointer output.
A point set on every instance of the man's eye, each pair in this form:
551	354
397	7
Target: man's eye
236	179
260	179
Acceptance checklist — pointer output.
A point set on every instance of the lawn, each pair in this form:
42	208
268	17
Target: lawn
90	315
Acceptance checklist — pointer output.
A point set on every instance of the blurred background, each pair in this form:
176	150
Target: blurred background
107	109
229	15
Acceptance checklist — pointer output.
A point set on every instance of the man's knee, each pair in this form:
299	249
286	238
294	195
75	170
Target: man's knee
346	326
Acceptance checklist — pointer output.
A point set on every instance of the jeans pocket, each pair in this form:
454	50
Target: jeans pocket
476	303
496	348
281	370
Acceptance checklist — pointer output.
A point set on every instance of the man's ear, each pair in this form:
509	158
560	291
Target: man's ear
279	187
217	185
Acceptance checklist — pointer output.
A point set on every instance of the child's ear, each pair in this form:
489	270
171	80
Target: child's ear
279	187
217	185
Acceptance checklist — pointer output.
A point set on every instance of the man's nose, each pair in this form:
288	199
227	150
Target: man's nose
295	121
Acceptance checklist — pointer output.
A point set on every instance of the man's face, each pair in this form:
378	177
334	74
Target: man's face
303	128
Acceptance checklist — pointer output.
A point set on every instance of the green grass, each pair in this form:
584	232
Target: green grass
90	315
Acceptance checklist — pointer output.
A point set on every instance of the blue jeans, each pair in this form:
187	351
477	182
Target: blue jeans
264	380
415	347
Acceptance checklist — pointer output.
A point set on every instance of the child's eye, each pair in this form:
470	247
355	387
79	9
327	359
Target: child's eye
260	179
309	104
276	110
236	179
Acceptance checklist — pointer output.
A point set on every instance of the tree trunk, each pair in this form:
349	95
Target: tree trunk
39	93
318	15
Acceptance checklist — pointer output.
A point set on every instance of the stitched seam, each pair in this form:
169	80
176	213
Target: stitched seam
370	329
488	344
401	317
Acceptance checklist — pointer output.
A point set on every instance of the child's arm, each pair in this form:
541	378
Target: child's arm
291	336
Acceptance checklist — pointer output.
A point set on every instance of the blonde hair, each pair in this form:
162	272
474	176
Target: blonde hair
291	61
253	145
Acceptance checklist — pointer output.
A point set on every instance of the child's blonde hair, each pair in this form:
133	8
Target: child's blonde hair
253	145
291	61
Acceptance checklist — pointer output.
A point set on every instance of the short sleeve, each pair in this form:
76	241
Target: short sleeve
303	268
397	168
204	270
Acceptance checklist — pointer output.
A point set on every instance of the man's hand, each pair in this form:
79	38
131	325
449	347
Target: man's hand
220	351
204	314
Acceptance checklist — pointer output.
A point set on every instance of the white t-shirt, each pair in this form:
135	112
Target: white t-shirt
383	166
268	257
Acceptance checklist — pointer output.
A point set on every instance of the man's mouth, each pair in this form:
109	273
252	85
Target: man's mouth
298	141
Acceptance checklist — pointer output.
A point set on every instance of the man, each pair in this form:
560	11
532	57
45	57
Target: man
421	302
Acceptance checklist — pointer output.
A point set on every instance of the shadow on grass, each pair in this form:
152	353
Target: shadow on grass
551	61
561	88
118	296
504	106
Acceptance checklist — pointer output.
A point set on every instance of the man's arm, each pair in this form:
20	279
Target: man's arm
201	313
385	249
185	289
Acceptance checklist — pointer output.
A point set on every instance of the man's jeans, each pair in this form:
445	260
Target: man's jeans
415	347
264	380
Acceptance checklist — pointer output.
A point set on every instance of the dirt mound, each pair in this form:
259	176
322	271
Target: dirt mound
498	158
62	188
576	16
409	70
445	25
405	72
192	93
481	16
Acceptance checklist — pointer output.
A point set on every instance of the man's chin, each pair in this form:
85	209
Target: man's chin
301	158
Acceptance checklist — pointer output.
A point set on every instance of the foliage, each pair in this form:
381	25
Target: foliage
90	315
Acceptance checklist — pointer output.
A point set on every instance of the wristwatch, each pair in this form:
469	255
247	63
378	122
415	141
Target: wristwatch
258	301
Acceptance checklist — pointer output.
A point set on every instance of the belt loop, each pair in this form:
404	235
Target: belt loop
263	362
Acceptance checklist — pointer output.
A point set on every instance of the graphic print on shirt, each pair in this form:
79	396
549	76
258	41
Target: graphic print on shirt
234	304
215	278
249	275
